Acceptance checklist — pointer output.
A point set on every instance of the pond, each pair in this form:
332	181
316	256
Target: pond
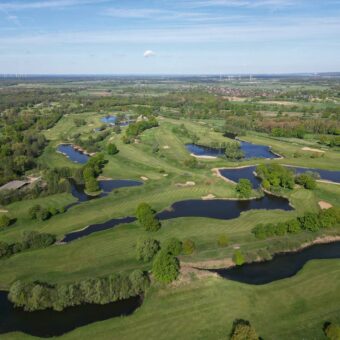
217	208
49	323
250	150
106	186
222	209
108	119
73	154
281	266
248	172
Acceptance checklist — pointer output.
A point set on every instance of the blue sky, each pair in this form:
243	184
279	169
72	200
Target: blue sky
169	37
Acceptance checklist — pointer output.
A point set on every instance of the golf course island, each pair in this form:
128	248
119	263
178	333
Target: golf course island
170	207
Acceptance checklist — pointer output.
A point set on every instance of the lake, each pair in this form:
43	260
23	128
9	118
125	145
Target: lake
248	172
250	150
217	208
106	186
74	155
281	266
49	323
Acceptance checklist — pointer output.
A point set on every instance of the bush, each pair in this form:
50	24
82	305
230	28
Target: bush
238	258
146	217
165	267
223	240
33	211
242	330
188	247
146	249
173	246
306	180
310	222
233	151
293	226
5	221
34	240
112	149
244	188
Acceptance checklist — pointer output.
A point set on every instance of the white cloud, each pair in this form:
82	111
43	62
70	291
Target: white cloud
15	5
149	53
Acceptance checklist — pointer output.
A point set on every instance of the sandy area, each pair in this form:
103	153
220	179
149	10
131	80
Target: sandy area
208	197
306	148
144	178
166	147
186	184
325	205
202	157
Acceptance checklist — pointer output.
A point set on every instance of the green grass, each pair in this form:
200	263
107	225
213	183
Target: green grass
202	309
205	309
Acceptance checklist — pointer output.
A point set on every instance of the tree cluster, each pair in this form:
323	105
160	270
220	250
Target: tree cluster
30	240
309	222
32	296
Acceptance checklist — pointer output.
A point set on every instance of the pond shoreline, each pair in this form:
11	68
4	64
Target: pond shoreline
227	263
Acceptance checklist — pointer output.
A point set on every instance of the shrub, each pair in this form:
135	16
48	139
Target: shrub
33	211
310	222
188	247
112	149
223	240
5	221
264	254
233	151
238	258
293	226
244	188
34	240
306	180
173	246
146	217
165	267
242	330
146	249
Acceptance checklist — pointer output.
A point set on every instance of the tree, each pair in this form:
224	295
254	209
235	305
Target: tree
242	330
172	246
233	151
165	267
244	188
223	240
146	249
5	221
188	247
112	149
238	258
146	217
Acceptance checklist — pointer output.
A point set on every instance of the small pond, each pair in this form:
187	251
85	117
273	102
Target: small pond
250	150
106	186
281	266
108	119
74	155
248	172
49	323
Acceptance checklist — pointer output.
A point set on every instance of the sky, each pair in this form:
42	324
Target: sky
169	36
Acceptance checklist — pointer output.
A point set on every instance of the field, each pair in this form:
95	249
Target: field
197	306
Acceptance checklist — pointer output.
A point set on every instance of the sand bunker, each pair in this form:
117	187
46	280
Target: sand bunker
186	184
208	197
306	148
325	205
144	178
